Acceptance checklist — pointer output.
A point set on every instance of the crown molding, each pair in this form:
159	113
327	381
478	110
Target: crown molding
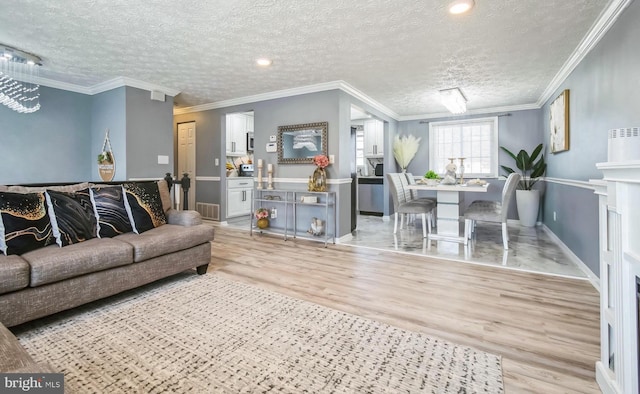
124	81
103	86
51	83
320	87
600	27
479	111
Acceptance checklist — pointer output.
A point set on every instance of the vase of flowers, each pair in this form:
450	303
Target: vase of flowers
319	180
262	214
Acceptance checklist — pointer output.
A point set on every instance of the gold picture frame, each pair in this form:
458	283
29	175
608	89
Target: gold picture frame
559	123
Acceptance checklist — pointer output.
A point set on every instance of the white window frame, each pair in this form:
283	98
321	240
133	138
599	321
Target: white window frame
433	142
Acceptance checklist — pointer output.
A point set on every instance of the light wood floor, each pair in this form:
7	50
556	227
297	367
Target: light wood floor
545	328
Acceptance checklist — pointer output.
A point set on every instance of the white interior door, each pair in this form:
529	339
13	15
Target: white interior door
187	157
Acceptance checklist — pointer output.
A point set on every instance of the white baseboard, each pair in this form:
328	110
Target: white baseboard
593	278
345	238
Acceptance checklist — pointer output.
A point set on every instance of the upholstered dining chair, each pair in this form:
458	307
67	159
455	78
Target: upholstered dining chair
415	196
491	211
403	204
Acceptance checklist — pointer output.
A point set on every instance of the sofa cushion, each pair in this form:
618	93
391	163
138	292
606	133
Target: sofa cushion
145	205
166	239
14	273
72	216
53	264
112	215
25	223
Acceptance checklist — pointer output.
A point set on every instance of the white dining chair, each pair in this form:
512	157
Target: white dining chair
491	211
402	203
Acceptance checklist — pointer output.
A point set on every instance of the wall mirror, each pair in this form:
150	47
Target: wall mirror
298	144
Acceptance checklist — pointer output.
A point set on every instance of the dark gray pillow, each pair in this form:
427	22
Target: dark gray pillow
111	213
73	217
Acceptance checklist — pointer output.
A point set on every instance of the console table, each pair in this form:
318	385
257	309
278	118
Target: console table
294	211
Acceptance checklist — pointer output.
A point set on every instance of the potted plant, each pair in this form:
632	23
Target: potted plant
432	178
531	168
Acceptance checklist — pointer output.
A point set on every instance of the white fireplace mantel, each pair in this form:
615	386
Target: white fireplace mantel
619	229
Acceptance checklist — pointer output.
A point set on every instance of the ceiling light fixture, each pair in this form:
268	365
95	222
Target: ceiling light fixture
264	62
18	70
454	100
461	6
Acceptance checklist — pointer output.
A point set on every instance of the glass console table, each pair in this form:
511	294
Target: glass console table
297	214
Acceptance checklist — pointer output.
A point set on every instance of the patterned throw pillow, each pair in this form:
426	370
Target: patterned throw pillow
24	222
72	216
111	213
146	205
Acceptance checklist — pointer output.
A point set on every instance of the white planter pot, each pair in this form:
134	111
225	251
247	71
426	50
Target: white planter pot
528	202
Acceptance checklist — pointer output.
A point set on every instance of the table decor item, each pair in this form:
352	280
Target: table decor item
262	214
319	179
405	149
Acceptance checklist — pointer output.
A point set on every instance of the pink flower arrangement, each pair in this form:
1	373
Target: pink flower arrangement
262	213
321	161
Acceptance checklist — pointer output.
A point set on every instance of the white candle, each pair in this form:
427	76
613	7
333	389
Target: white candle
270	167
259	162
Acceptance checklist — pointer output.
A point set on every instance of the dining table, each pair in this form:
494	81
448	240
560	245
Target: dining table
450	203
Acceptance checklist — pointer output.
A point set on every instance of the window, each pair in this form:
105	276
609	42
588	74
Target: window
476	140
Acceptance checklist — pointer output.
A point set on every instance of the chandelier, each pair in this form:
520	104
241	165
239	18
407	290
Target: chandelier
18	73
454	100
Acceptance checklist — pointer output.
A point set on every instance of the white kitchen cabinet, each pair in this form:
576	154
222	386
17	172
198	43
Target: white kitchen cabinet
373	138
239	196
236	135
249	123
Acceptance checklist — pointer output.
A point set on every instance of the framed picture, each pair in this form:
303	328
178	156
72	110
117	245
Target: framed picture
559	123
298	144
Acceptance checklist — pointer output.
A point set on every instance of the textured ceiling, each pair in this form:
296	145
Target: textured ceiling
399	53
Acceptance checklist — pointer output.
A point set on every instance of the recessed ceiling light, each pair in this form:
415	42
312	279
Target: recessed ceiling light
264	62
460	6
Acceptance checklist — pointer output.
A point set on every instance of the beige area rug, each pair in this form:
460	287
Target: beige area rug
208	334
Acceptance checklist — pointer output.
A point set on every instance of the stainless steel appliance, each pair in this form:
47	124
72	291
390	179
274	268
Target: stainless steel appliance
250	142
245	170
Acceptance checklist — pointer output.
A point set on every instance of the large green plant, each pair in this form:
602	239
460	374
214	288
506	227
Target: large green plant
530	169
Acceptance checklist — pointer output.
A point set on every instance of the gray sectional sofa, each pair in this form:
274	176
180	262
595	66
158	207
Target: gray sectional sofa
52	279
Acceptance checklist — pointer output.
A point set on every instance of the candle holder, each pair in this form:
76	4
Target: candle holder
461	170
259	186
270	179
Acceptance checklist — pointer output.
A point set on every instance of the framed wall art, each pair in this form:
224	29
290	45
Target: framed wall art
559	123
298	144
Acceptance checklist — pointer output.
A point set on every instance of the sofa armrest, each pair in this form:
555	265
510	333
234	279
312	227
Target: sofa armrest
183	218
14	358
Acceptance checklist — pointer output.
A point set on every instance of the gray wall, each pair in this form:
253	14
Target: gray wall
61	141
108	111
50	145
602	90
149	131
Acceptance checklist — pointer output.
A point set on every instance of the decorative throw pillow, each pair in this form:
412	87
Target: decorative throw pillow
25	222
110	211
72	216
146	205
165	195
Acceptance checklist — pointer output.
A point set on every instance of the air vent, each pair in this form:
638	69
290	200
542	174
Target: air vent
208	211
624	144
